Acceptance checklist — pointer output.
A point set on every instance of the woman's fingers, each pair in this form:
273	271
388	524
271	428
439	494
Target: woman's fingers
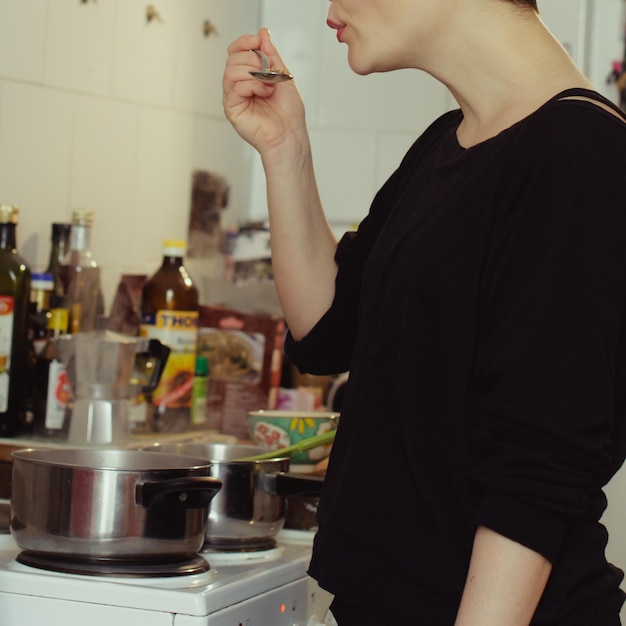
273	56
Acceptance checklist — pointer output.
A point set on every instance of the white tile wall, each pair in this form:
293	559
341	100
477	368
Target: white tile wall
346	170
103	177
144	52
23	39
164	163
36	131
79	45
201	89
217	148
101	108
205	54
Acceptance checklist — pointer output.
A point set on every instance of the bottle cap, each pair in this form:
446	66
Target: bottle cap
202	365
59	319
174	247
43	280
9	213
82	217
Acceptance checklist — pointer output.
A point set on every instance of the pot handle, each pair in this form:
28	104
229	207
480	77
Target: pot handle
193	492
159	353
285	484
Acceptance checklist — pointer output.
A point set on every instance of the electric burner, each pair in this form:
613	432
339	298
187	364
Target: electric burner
258	544
108	567
220	557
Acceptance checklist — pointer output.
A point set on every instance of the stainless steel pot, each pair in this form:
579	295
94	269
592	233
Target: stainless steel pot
250	508
118	505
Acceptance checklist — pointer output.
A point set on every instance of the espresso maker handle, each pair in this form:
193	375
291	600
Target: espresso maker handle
159	352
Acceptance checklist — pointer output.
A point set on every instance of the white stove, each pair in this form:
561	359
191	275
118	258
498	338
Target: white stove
252	589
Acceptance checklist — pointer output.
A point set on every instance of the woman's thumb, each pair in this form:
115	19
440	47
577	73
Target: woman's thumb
273	57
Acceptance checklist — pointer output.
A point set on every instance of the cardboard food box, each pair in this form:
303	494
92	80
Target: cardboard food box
245	353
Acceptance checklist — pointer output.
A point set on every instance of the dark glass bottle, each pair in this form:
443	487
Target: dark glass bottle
59	247
14	296
80	275
52	386
169	313
41	288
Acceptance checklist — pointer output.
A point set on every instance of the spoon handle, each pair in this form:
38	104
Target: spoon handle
306	444
266	73
264	62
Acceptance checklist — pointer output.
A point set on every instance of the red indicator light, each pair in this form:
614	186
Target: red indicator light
283	608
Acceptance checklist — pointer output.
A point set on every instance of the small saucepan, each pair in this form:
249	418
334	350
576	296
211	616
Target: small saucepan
250	509
110	505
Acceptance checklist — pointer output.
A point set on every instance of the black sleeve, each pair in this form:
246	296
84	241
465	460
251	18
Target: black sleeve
328	347
550	363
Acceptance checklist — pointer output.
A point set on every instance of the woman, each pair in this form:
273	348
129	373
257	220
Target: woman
480	310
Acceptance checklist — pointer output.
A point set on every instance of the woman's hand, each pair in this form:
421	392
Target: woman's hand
270	117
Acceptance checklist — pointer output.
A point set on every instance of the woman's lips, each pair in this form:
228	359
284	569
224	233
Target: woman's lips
338	27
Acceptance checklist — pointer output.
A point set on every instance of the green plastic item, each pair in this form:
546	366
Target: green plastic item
306	444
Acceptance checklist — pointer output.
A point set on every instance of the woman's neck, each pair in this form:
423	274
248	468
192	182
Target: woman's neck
501	68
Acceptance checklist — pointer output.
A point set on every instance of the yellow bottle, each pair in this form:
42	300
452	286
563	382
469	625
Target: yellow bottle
169	313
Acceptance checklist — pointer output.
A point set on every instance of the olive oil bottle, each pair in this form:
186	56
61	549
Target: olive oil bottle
59	247
169	313
15	278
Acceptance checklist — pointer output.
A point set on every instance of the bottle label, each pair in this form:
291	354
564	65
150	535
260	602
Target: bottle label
59	393
179	331
7	308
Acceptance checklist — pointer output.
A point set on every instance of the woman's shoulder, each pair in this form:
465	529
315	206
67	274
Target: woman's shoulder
579	119
567	137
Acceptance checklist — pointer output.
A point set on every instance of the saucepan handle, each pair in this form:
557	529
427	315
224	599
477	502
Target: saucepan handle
287	484
193	492
159	354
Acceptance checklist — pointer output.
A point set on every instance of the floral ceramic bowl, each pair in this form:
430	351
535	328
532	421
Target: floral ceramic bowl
278	429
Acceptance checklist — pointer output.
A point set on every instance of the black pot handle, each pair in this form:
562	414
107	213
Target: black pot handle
159	352
286	484
193	492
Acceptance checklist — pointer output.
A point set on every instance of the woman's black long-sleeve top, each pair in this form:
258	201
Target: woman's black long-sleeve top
480	310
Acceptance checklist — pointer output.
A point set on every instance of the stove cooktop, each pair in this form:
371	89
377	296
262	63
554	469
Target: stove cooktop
228	581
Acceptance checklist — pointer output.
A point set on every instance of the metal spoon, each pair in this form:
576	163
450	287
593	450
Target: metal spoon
266	73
